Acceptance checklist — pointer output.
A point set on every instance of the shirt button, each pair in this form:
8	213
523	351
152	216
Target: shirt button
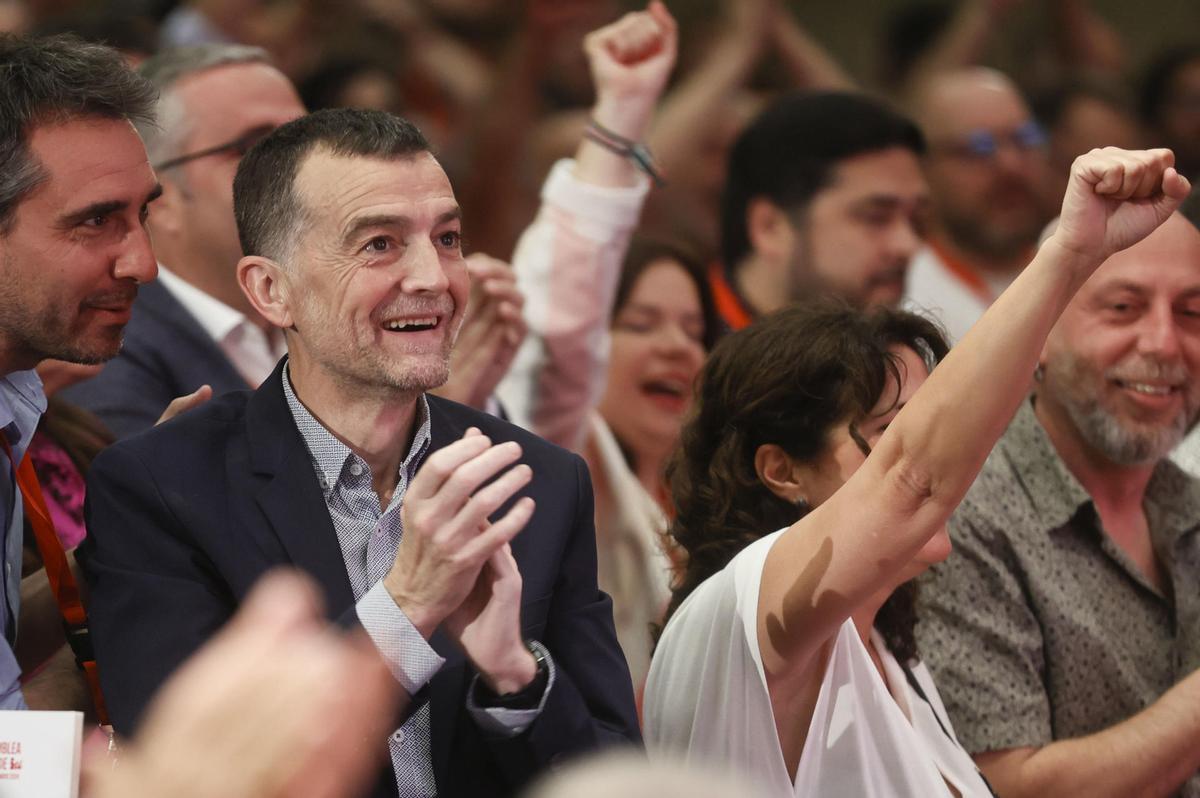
356	469
398	736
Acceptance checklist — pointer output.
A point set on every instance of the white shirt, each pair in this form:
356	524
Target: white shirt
1187	453
707	699
251	351
934	291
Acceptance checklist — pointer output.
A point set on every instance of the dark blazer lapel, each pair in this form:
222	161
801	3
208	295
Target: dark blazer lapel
290	495
181	330
447	690
447	698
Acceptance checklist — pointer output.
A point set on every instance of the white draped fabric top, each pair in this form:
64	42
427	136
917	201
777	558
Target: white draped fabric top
706	699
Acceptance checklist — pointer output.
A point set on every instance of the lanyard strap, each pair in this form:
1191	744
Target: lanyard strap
58	573
729	307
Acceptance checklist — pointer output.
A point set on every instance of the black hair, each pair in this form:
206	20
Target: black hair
788	153
788	379
265	204
1158	80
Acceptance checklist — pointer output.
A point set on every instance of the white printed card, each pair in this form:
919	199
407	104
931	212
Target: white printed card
39	754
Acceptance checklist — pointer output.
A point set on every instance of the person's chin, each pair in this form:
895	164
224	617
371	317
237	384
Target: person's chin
95	349
885	290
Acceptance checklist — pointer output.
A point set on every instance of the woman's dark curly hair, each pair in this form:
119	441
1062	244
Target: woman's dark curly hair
788	379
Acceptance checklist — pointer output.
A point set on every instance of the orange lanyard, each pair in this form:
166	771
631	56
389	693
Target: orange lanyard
966	275
729	307
58	572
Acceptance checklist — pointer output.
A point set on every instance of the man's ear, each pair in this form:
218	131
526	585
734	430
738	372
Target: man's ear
264	283
770	230
780	473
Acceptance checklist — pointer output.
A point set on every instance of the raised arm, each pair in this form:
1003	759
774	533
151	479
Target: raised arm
568	261
858	543
963	43
1086	42
697	106
811	65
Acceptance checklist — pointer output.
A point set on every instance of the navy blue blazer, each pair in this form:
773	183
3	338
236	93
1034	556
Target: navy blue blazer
184	518
166	353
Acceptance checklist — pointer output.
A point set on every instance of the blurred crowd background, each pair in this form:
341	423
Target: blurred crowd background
501	87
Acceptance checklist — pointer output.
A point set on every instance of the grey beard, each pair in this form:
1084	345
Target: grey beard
1120	444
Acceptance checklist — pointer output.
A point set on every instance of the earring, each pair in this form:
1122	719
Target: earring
802	505
1039	373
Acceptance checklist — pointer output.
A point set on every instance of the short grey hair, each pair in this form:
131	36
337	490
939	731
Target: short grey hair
164	135
52	80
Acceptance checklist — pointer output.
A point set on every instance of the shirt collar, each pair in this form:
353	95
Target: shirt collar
215	317
22	403
1171	495
329	454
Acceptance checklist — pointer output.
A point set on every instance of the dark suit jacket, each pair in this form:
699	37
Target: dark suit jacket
184	519
166	354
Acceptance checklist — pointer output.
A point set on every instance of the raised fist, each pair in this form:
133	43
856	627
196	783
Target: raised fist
630	61
1115	198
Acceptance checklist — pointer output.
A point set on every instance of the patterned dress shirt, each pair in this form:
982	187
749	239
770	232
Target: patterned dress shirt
1038	627
368	536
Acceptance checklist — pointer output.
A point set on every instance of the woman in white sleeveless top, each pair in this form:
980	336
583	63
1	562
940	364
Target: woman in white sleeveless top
790	656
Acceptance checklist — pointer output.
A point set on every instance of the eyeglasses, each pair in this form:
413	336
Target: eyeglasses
239	146
983	145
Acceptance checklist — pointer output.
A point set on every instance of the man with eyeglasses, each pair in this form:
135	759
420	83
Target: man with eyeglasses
194	326
988	172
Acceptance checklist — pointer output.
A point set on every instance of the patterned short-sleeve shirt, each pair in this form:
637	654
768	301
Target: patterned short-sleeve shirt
1038	627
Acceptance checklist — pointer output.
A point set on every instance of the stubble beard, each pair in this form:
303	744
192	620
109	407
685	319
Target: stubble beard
36	334
1125	442
365	370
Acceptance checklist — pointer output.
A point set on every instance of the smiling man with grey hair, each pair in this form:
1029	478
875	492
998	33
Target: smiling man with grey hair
405	507
1064	629
195	326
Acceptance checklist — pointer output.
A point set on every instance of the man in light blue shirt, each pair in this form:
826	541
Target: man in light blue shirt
75	184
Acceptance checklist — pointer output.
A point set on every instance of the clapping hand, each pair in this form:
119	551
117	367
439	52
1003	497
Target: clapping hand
447	538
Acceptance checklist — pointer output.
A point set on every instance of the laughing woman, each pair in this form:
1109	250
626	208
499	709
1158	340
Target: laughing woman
788	655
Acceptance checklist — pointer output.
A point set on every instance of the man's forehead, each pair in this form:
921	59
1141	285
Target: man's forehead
237	97
892	174
972	100
90	160
1167	259
339	187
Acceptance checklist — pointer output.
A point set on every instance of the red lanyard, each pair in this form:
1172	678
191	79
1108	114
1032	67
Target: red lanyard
58	572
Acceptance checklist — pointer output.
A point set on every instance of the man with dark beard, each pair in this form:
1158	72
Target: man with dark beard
1064	630
988	172
823	195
